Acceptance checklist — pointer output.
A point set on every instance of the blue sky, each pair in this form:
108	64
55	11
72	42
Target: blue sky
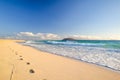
63	17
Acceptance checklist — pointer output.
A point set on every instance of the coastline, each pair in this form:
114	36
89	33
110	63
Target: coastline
99	56
102	66
47	66
105	67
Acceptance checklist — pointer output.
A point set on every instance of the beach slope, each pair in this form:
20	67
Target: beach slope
19	62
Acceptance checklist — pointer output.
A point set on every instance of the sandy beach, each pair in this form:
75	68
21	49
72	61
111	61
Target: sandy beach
19	62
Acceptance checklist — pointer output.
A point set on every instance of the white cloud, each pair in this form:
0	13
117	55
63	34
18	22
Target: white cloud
86	37
25	34
50	36
43	36
115	37
106	37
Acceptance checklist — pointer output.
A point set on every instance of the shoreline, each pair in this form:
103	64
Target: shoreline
47	66
105	67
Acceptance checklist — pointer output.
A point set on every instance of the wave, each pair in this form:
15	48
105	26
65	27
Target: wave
98	55
89	43
29	42
33	42
73	43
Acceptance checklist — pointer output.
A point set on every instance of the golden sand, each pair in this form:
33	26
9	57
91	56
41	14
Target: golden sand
18	62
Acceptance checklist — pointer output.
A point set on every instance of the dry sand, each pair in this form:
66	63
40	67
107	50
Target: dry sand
18	62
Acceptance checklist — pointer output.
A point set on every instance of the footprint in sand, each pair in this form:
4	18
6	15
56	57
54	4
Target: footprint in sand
28	63
21	58
44	79
31	71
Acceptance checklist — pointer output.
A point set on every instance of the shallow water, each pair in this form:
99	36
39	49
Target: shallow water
100	52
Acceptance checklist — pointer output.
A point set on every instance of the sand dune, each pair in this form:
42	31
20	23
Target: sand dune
18	62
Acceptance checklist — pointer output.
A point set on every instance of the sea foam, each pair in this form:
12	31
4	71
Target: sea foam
98	55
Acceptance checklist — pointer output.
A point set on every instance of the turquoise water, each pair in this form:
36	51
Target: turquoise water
93	43
100	52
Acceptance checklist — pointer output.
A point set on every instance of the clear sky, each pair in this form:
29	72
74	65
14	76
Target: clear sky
64	17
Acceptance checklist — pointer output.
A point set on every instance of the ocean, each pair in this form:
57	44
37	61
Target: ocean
101	52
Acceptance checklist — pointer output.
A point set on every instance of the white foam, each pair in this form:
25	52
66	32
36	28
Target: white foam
97	55
73	43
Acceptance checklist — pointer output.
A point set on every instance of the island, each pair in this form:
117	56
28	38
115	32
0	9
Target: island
68	39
